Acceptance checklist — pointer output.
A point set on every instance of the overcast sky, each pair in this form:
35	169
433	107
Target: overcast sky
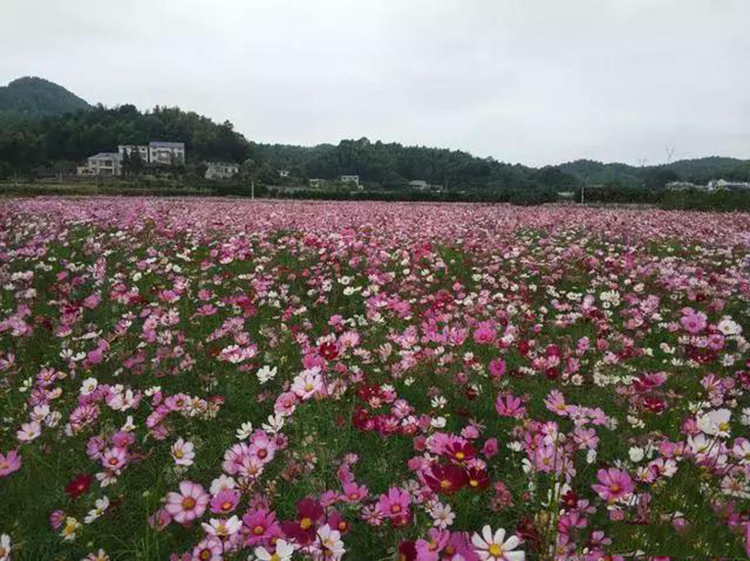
529	81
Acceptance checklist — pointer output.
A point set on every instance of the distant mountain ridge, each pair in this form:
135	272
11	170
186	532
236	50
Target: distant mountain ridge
31	97
40	125
697	170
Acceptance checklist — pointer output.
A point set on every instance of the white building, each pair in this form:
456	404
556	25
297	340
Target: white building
724	184
221	170
166	153
420	184
103	163
350	179
130	148
283	173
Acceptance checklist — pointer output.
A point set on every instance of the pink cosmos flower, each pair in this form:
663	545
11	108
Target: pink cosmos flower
508	405
307	384
429	550
285	404
225	501
497	367
394	504
353	493
187	505
261	525
693	322
613	484
9	463
209	549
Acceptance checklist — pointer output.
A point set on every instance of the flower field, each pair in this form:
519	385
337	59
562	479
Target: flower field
217	379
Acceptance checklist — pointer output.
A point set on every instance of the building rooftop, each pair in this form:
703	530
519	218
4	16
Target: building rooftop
158	144
106	156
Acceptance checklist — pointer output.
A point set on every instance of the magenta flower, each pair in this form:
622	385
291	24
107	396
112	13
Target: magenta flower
395	504
613	484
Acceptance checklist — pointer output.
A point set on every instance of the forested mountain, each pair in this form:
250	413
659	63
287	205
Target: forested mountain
392	166
37	97
44	127
72	137
699	171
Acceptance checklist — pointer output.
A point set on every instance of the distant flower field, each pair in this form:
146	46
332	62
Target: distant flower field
206	380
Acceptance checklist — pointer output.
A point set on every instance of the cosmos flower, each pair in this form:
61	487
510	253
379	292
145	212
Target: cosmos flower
282	551
613	485
494	547
182	452
187	505
9	463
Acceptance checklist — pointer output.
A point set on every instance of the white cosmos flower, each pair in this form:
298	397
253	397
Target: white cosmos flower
88	386
442	515
5	547
636	454
331	543
222	482
275	424
729	327
183	452
266	374
101	506
283	552
222	528
491	547
715	423
244	431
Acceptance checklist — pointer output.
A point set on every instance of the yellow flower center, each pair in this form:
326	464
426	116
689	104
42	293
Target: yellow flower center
460	455
178	454
258	530
188	503
305	523
495	550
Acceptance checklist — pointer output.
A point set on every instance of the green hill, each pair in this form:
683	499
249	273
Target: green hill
36	97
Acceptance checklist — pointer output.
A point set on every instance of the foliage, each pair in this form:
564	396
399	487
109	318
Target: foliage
35	97
28	144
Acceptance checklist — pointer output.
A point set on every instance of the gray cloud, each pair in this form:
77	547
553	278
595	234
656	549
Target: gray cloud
523	81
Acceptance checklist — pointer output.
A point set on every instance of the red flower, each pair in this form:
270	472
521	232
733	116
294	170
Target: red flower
407	551
569	500
460	451
79	485
654	404
445	479
477	479
328	351
303	529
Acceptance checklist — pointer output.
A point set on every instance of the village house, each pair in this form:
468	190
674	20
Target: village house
730	185
350	179
166	153
103	163
130	148
221	170
156	153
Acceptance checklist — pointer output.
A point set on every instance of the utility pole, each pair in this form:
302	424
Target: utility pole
252	189
583	188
